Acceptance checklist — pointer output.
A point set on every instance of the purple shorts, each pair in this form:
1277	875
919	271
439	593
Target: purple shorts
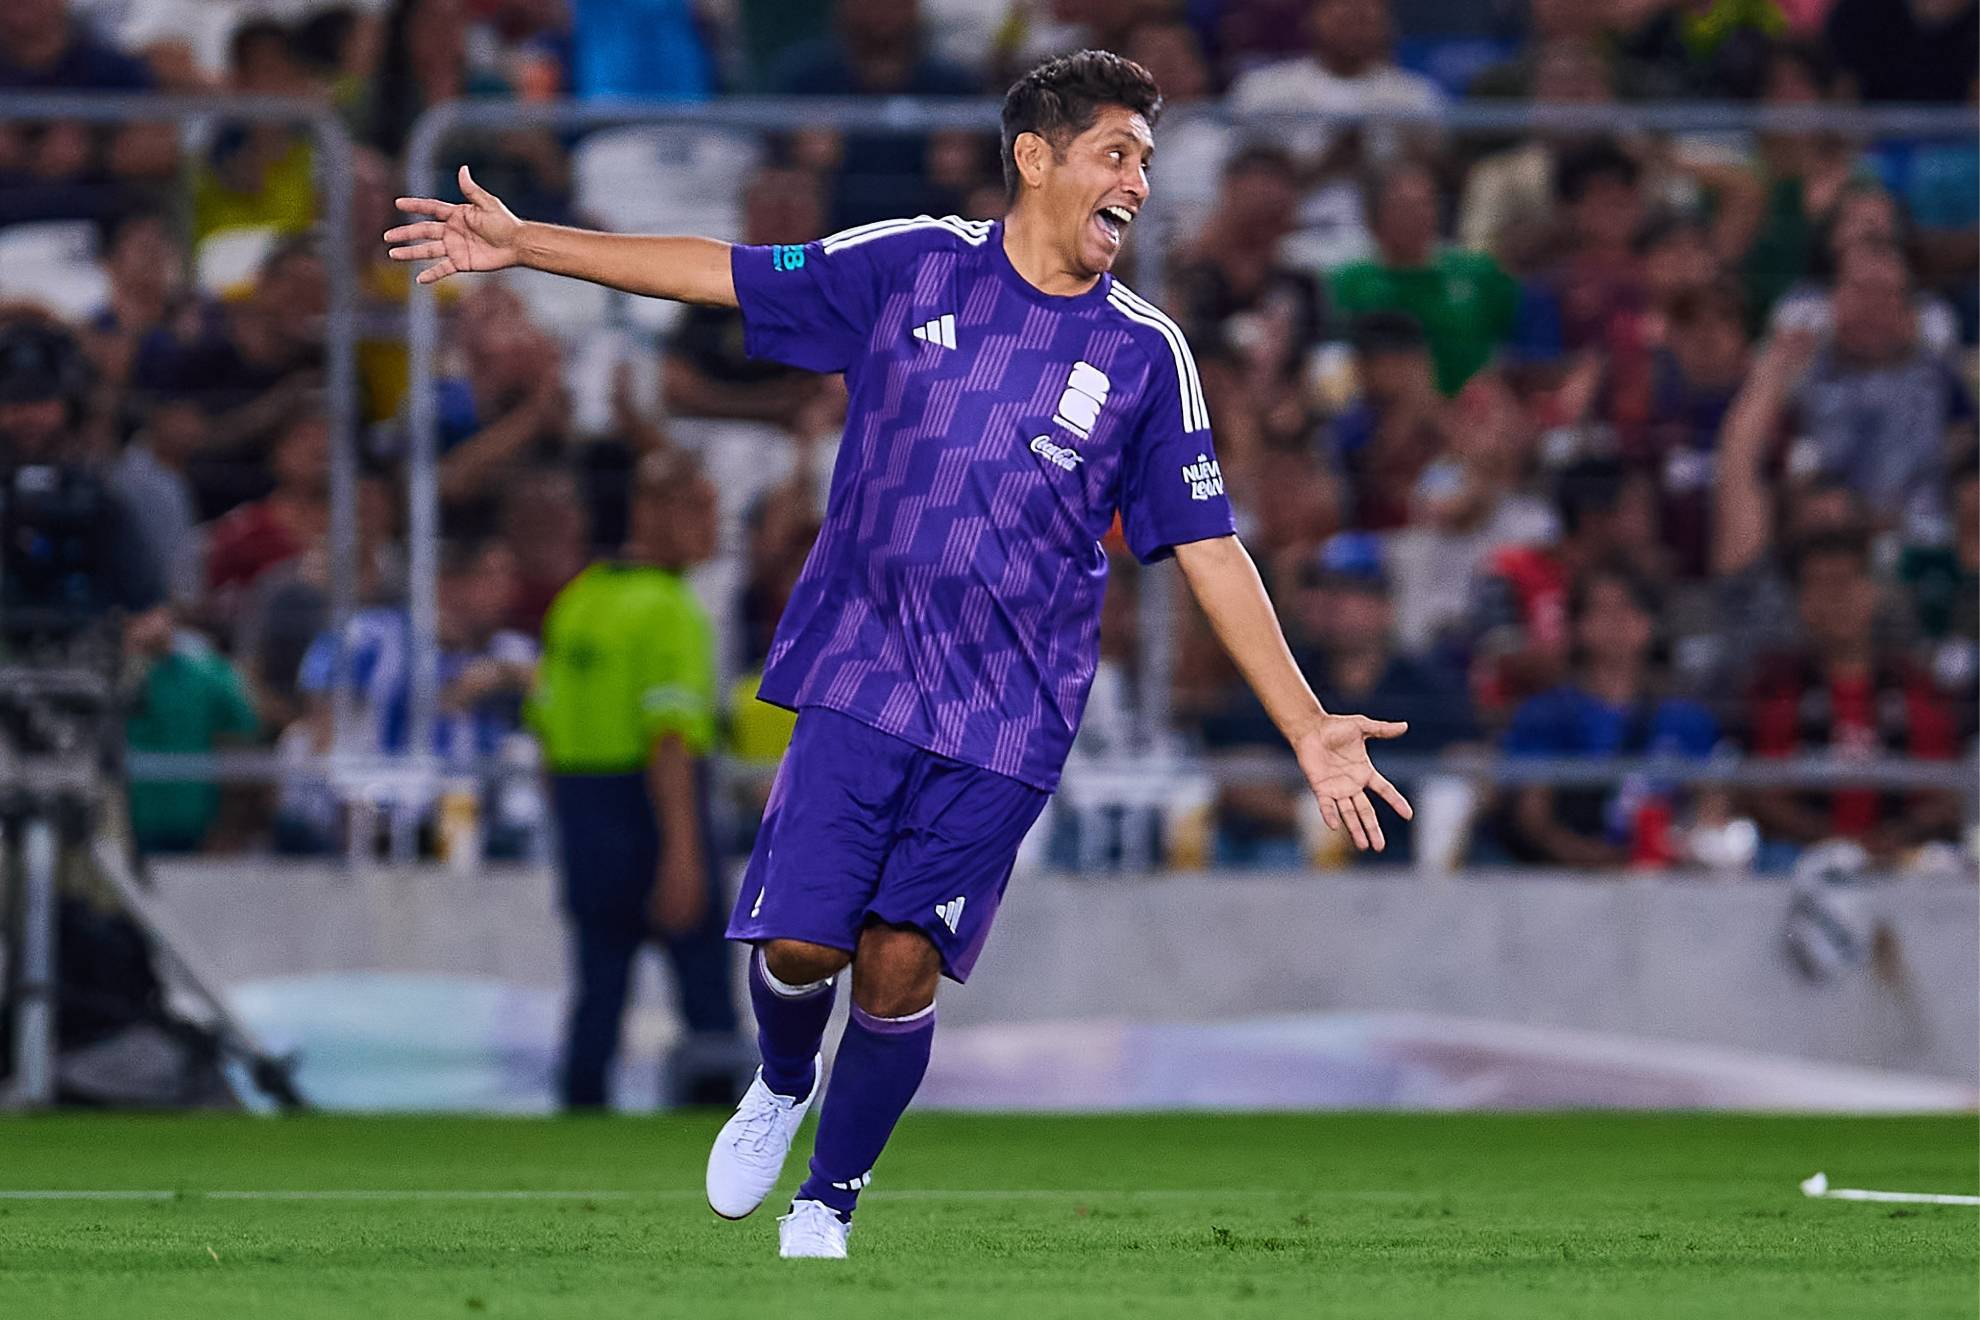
863	826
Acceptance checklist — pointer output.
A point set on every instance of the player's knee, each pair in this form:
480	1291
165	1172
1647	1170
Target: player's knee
895	971
798	962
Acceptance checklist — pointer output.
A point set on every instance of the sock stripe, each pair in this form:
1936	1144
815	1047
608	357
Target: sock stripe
894	1026
783	989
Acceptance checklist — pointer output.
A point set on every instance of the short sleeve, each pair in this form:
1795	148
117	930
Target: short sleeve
1172	490
813	305
676	678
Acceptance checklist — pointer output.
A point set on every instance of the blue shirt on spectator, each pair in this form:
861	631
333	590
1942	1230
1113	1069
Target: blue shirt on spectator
381	673
88	64
1570	722
642	49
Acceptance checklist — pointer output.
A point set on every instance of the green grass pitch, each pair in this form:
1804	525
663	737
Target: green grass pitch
1339	1215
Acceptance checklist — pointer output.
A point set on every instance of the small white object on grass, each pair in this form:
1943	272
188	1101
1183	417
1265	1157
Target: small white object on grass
1818	1185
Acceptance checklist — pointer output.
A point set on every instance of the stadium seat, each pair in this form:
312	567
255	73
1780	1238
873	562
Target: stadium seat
53	263
227	259
565	308
1453	63
663	180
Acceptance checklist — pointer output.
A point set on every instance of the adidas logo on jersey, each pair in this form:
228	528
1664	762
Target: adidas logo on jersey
950	912
940	332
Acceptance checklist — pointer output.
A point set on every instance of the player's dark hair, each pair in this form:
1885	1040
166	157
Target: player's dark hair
1060	99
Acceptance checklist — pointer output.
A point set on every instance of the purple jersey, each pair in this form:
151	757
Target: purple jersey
953	596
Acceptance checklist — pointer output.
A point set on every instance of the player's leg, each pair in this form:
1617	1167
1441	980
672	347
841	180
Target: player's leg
791	991
938	896
882	1057
749	1152
813	871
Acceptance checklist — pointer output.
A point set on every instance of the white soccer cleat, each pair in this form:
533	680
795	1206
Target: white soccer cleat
749	1151
812	1231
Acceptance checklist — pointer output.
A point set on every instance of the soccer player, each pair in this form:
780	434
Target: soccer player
1008	398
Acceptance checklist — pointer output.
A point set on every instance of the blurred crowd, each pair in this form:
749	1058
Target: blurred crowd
1570	445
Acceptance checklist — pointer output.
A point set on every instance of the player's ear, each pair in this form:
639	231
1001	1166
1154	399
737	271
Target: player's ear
1033	155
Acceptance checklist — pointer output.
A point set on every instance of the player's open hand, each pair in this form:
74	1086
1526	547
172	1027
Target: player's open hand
457	237
1334	757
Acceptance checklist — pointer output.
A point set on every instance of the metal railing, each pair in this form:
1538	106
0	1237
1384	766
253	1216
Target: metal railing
767	115
334	177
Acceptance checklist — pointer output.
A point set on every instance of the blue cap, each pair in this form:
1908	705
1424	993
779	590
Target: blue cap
1351	559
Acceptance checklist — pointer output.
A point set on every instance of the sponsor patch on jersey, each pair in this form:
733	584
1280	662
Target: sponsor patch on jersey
1079	407
1055	454
1204	478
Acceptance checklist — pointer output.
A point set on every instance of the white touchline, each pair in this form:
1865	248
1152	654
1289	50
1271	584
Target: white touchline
1818	1185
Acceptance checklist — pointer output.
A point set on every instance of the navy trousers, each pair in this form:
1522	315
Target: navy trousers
609	845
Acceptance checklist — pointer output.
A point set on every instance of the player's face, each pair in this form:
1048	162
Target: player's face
1098	187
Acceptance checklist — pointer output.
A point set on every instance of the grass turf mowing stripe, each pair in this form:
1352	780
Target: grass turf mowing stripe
985	1217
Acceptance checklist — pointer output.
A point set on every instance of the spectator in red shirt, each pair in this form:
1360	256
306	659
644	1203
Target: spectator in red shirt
1844	693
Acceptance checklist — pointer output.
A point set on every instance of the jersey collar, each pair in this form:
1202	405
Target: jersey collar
1000	262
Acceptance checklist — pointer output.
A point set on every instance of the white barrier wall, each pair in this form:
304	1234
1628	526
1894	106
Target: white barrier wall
1682	960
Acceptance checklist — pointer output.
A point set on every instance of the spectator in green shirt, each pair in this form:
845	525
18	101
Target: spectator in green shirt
625	705
189	699
1465	303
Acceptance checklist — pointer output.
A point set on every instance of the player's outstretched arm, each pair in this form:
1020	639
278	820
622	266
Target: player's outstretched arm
1332	749
482	234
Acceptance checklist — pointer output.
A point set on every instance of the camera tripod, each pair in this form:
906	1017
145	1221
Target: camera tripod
58	758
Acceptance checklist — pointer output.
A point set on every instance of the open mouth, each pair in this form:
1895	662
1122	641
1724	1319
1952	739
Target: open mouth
1112	221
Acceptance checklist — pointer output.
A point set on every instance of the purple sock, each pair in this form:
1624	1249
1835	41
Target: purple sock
790	1022
879	1067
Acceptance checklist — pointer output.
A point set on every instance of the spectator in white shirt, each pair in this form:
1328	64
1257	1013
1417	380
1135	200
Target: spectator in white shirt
1349	67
